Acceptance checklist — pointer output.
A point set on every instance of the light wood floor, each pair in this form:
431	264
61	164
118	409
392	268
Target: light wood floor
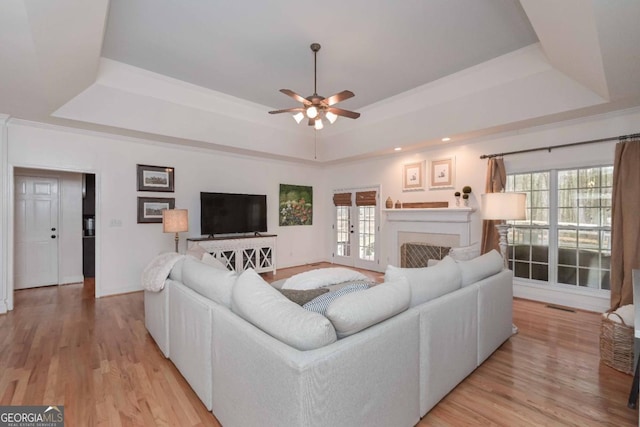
61	346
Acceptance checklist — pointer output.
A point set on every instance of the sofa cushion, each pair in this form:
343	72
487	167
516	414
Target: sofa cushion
321	303
429	282
257	302
303	297
208	281
176	270
481	267
357	311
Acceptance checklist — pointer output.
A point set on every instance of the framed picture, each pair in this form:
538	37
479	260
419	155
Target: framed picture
150	208
442	173
155	178
413	176
296	205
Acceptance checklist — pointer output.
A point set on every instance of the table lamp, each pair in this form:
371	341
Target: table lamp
175	221
503	207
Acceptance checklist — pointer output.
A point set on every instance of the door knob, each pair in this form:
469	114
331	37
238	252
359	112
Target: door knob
53	229
53	236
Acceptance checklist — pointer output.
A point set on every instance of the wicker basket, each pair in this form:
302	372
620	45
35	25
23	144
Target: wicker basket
616	344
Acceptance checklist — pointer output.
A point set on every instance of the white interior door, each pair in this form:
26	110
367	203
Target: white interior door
36	232
356	231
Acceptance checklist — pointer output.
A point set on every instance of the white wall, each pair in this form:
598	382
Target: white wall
124	247
70	222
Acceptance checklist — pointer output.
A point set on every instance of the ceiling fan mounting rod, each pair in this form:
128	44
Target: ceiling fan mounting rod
315	47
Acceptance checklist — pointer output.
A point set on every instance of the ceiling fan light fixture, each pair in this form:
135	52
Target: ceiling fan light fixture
331	117
312	112
298	117
317	107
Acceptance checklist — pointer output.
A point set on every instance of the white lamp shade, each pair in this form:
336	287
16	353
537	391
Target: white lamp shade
175	220
504	206
298	116
331	117
318	125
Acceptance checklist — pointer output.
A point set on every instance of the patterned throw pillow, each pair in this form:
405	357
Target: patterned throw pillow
321	303
303	297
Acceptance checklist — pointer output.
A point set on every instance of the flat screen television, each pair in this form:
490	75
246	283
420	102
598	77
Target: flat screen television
227	213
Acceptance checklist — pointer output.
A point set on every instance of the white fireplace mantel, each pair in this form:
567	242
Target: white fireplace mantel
430	214
443	221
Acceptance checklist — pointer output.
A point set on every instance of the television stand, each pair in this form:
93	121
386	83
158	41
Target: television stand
239	253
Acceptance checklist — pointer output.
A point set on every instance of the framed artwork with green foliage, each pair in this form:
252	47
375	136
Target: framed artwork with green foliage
296	205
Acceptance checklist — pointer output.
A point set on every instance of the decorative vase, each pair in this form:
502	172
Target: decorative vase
466	202
398	204
389	203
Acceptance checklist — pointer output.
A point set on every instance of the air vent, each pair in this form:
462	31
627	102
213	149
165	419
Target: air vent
555	307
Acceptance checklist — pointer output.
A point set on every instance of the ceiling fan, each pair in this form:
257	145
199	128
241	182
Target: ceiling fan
316	107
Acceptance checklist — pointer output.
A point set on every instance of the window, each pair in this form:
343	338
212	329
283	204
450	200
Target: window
367	227
566	237
529	239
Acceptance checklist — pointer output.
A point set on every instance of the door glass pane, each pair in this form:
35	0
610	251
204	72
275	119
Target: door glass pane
343	219
367	235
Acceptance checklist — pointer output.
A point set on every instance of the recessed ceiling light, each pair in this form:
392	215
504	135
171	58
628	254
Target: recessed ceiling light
445	139
398	149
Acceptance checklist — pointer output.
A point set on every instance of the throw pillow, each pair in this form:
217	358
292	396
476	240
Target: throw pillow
302	297
196	251
257	302
465	253
209	259
208	281
428	283
321	303
481	267
357	311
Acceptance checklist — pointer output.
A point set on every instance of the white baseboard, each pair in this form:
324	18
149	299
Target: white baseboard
3	307
71	279
120	291
583	299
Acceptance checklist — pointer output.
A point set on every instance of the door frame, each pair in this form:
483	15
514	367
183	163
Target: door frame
354	260
9	193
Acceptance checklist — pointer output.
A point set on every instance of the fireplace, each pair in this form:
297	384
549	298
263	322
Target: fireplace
439	228
417	254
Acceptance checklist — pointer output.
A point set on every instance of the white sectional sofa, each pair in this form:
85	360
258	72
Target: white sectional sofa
388	374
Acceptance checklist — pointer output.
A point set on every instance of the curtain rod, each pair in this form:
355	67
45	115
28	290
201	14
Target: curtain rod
551	147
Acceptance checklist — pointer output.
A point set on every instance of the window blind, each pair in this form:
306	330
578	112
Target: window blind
366	198
342	199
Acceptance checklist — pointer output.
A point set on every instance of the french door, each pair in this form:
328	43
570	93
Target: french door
356	228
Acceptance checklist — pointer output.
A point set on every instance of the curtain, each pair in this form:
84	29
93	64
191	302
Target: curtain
625	221
496	181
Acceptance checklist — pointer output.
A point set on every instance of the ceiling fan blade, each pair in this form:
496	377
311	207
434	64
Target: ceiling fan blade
344	113
295	96
312	122
339	97
287	110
